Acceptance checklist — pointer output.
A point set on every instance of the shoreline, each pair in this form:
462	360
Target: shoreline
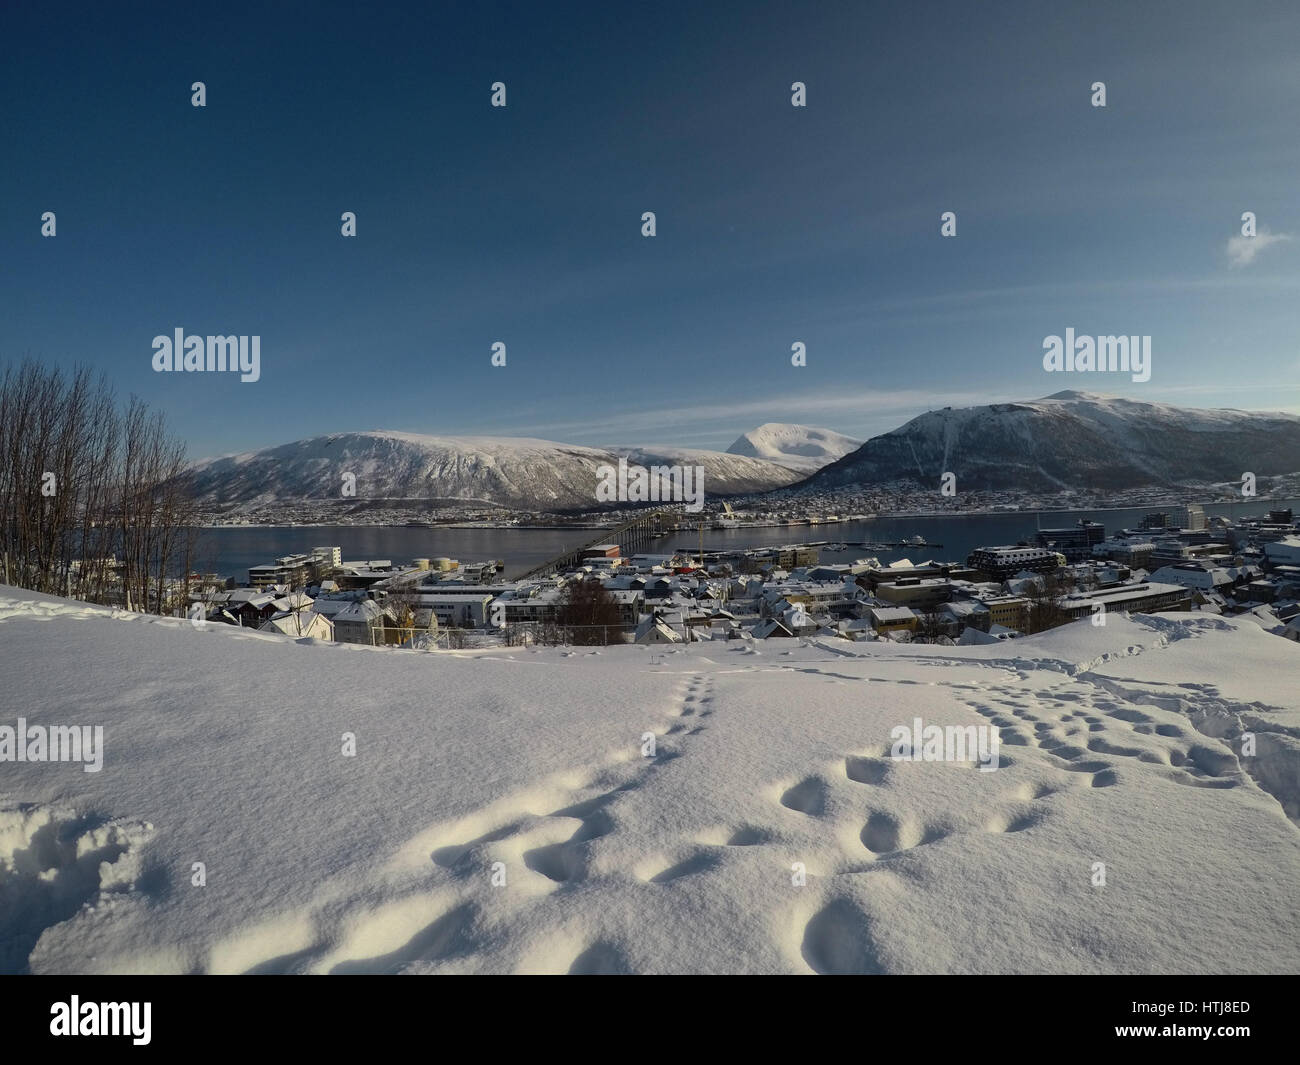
893	515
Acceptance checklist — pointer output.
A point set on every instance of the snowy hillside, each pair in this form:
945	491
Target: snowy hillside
1074	440
225	747
798	447
507	471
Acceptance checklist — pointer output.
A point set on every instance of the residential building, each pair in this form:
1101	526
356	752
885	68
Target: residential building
1205	578
1009	611
769	628
299	623
890	618
1283	552
293	571
360	622
455	611
968	613
325	561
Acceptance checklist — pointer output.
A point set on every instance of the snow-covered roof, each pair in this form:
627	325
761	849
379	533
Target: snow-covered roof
363	610
769	627
892	613
304	623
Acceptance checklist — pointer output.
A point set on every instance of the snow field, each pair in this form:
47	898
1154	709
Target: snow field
1120	746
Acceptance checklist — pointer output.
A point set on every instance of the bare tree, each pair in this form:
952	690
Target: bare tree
930	624
80	483
589	614
1044	601
517	635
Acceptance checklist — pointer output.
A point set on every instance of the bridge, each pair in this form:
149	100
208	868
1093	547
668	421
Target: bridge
632	537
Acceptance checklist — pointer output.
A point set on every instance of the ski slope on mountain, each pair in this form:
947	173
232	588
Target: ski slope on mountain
1120	746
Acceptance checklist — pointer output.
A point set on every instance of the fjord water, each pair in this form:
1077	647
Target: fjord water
231	550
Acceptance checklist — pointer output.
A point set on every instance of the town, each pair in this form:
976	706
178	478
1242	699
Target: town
1176	560
791	506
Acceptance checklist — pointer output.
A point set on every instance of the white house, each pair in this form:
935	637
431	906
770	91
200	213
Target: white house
654	629
359	622
300	623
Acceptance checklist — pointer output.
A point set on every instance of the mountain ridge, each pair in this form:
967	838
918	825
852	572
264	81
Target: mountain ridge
1072	439
520	472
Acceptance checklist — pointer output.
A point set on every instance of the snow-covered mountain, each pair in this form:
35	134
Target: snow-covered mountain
507	471
1073	440
797	447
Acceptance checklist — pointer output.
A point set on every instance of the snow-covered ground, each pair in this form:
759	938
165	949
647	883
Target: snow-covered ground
224	747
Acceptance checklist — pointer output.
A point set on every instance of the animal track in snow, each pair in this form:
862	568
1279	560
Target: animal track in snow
739	836
52	863
1101	746
566	861
806	797
448	935
839	941
1013	820
864	770
601	959
699	862
885	835
455	855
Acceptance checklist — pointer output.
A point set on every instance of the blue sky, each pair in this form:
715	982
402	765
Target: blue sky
522	224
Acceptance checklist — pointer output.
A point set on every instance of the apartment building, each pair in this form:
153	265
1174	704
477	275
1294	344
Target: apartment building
1009	611
999	563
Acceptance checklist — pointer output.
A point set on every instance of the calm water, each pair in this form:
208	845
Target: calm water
230	551
959	534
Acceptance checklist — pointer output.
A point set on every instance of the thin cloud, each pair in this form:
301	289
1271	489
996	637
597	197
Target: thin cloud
860	413
1243	250
869	409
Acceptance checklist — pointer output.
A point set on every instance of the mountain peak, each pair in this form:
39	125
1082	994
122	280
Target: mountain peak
802	448
1078	394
